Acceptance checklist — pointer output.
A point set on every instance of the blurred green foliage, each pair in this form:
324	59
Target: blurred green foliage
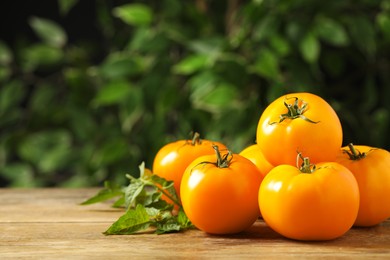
76	113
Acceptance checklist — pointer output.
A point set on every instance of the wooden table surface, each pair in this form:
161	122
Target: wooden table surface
49	224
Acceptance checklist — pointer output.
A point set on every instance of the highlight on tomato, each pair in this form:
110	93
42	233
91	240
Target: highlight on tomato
256	156
371	168
172	159
301	122
219	192
312	202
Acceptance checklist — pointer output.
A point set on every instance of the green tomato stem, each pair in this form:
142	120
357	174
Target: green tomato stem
306	166
353	153
164	192
196	139
223	162
295	111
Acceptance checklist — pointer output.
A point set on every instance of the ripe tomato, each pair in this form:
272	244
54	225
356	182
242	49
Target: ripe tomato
219	194
299	122
172	159
371	168
311	203
255	155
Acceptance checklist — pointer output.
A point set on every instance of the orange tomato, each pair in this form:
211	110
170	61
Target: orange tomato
371	168
219	194
311	203
299	122
255	155
172	159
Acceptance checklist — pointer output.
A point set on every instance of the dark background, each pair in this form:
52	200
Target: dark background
107	97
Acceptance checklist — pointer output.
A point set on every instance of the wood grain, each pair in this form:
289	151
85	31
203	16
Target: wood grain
49	223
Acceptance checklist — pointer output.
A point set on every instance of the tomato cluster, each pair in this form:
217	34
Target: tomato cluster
298	175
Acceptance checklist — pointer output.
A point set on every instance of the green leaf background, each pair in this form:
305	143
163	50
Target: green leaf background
78	109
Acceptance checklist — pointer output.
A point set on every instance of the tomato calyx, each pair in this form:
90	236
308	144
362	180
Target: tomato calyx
353	153
222	161
195	139
306	166
295	111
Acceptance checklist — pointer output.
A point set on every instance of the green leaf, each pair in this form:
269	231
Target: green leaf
310	48
49	31
112	93
191	64
110	191
267	64
134	14
66	5
109	152
280	45
48	150
5	54
331	31
169	226
19	174
266	27
132	192
41	55
222	96
363	32
132	221
165	185
183	220
383	20
210	47
11	96
121	65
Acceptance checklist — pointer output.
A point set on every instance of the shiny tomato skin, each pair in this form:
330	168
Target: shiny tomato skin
172	159
280	141
373	176
322	205
255	155
221	200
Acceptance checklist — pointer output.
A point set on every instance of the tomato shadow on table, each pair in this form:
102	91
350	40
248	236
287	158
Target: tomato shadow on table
259	230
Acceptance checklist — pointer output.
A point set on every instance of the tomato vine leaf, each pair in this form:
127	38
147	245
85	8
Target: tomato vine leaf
145	208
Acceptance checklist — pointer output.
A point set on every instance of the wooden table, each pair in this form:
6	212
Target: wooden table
49	224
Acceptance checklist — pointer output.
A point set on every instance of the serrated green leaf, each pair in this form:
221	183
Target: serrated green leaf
183	220
159	203
149	197
167	227
134	14
110	191
167	186
152	212
132	221
132	192
49	31
310	48
119	203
